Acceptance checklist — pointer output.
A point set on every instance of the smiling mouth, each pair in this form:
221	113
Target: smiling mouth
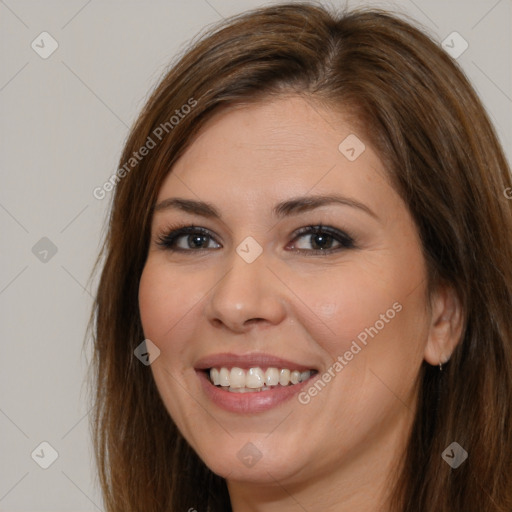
256	379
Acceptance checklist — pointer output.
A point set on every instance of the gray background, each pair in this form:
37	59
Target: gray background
63	122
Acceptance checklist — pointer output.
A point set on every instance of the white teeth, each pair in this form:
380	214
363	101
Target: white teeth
223	377
214	375
255	378
248	390
284	377
238	380
272	377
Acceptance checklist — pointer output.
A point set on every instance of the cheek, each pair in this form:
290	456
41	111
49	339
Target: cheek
166	303
373	311
372	317
166	297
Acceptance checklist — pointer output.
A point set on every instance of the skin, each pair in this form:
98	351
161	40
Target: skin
337	452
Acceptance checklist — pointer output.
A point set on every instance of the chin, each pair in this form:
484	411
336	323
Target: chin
250	464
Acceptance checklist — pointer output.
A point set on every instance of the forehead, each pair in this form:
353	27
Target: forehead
272	150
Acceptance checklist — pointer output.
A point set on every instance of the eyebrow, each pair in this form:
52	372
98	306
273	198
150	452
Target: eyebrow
286	208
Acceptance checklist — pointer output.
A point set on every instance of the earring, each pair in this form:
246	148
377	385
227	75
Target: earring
442	361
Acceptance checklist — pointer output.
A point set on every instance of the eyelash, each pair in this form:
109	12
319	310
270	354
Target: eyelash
167	239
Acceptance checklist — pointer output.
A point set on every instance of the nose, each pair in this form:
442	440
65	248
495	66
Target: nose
247	294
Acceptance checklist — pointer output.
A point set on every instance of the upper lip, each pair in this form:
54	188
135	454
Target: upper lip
246	361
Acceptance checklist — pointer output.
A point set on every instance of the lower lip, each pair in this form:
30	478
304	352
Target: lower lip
248	403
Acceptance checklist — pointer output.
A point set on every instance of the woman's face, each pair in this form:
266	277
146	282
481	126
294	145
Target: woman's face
250	295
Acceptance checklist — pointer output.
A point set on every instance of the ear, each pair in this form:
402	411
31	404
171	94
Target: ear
445	325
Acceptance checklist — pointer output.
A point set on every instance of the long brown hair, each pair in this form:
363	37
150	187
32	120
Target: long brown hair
417	108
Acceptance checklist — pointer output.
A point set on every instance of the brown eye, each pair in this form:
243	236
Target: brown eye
187	238
320	239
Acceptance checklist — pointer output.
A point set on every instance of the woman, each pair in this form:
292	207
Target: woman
305	298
